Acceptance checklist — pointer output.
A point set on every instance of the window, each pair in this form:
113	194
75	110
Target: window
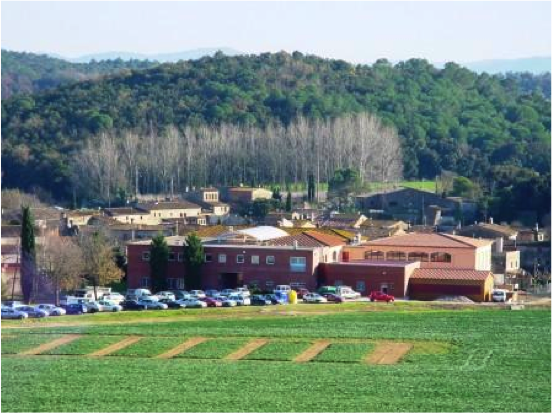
172	256
255	259
335	256
240	259
396	256
145	256
440	257
361	286
208	257
374	255
222	258
269	283
270	260
180	284
418	256
298	264
145	282
180	257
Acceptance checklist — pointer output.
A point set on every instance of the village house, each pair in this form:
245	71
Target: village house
170	209
208	199
379	228
244	195
131	215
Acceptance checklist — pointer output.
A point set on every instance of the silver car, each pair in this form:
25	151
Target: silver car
51	309
12	313
32	311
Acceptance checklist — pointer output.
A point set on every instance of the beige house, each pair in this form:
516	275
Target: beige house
247	195
131	215
170	209
432	250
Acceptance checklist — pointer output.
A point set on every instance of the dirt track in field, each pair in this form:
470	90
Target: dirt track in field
114	347
247	349
312	351
50	345
388	353
181	348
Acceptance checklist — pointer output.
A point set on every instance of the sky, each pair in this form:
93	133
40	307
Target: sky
359	32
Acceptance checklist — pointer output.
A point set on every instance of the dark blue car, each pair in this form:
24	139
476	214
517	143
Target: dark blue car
76	309
260	300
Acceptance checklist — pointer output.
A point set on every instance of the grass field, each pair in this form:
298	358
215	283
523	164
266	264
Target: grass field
461	360
213	349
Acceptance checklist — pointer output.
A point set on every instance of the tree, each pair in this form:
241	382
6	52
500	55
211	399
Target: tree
100	266
61	260
465	188
311	188
343	183
260	208
194	257
288	202
28	254
159	262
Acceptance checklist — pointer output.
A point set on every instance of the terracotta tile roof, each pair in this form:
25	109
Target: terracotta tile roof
11	231
326	239
156	206
430	240
216	230
124	211
449	274
499	229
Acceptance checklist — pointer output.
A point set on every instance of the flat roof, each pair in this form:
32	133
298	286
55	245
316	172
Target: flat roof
373	263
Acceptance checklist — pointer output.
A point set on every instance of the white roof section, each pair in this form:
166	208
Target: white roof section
263	233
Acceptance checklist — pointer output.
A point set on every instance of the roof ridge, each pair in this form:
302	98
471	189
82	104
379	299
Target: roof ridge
455	238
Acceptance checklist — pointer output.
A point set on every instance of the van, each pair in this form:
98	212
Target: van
347	292
282	289
499	295
137	293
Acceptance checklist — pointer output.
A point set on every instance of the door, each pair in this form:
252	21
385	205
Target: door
384	288
231	280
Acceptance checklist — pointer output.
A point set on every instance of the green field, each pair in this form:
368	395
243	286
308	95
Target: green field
85	345
462	360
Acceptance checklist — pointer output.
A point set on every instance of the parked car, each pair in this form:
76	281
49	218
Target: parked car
105	305
227	291
282	289
334	298
499	295
212	302
52	310
152	303
301	292
260	300
227	302
243	291
240	299
314	298
12	304
379	296
115	297
76	309
180	294
169	295
347	292
133	305
12	313
135	294
194	303
211	293
32	311
198	293
274	299
172	303
327	289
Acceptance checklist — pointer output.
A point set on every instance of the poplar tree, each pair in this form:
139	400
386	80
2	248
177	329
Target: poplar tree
194	256
159	262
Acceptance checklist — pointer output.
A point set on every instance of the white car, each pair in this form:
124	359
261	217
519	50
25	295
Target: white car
103	305
227	302
347	293
8	312
193	303
52	309
243	291
314	298
211	293
115	297
150	302
282	289
198	293
240	299
227	291
165	295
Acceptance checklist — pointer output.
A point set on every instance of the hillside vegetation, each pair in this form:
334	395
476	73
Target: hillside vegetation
449	119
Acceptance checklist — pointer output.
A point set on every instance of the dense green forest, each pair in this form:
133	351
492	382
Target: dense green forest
31	73
447	119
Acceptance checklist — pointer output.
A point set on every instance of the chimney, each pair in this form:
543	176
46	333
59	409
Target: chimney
537	226
295	244
491	221
499	245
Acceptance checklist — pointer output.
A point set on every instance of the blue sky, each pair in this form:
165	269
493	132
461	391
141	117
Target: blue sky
354	31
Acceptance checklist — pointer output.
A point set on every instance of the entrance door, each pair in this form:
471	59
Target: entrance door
231	280
384	288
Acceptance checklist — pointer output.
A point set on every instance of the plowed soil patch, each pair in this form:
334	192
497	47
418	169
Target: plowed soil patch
188	344
312	351
247	349
114	347
388	353
50	345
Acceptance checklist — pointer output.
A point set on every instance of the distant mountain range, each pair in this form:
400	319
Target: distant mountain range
160	57
535	65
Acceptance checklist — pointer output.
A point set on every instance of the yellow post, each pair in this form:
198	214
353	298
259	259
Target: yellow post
292	298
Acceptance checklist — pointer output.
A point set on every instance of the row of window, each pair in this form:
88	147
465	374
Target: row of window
172	283
412	256
173	256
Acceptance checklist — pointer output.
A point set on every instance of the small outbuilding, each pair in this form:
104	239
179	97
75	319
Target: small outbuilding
431	283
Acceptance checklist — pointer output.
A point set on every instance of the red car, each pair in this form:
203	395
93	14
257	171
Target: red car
379	296
211	302
334	298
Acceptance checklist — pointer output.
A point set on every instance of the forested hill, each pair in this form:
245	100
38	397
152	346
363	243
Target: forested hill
450	118
31	73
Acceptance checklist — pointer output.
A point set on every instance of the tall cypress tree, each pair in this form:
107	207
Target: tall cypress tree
28	254
288	202
159	262
195	256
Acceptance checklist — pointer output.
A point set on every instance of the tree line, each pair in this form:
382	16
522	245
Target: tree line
112	166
